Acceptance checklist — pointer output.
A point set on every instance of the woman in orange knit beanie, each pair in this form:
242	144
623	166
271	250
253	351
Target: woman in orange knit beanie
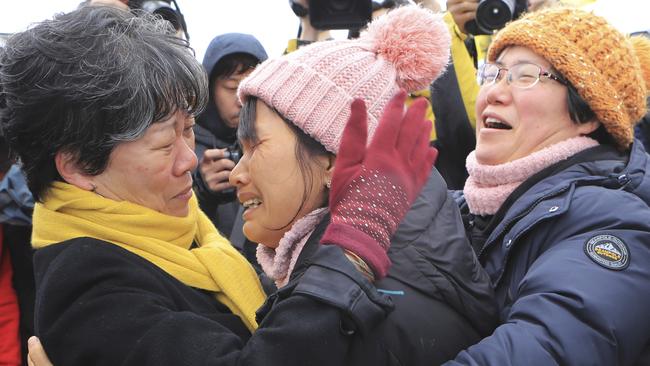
558	195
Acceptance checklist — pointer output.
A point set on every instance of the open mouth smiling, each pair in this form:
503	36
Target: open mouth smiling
496	124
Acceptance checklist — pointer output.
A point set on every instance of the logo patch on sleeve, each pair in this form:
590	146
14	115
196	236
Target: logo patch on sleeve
608	251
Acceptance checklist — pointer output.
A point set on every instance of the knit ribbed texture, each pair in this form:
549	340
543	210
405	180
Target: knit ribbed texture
597	59
488	186
314	86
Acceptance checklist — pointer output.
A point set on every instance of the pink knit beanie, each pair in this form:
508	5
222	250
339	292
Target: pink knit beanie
314	86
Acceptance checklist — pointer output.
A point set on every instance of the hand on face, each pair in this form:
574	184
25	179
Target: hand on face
373	187
462	11
215	169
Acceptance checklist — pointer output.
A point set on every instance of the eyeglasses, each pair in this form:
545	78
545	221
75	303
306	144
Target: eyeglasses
523	75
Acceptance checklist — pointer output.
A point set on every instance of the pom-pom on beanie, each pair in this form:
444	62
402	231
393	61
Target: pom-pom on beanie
600	62
314	86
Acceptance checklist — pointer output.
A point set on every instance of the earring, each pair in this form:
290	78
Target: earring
328	183
94	190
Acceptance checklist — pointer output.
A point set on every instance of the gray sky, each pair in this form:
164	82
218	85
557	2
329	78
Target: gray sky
271	21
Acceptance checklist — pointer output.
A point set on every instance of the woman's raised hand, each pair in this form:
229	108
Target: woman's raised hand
373	187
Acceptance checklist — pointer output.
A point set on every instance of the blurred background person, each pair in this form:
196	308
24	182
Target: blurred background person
307	33
10	342
229	58
16	269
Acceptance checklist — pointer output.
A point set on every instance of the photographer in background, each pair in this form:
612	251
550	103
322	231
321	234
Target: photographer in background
228	59
307	33
453	95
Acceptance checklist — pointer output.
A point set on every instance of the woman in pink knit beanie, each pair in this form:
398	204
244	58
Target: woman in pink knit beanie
558	196
303	128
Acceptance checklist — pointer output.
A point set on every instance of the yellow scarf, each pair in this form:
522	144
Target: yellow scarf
69	212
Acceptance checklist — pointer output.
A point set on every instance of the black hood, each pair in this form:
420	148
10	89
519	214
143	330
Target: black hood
221	46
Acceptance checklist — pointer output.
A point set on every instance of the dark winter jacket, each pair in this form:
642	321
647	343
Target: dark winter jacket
98	304
569	262
442	302
211	132
455	134
453	97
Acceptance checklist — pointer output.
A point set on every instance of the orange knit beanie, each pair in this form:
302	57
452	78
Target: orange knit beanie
600	62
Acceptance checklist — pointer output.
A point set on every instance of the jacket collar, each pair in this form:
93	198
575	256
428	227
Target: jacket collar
600	165
552	196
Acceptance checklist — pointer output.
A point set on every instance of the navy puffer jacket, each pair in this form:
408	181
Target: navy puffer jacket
570	265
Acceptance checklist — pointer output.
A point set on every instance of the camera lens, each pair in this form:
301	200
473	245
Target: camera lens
235	156
494	14
233	152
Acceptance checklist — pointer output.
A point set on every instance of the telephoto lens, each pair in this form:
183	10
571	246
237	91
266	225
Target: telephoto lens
493	15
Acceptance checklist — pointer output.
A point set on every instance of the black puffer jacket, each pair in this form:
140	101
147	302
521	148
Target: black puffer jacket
442	299
98	304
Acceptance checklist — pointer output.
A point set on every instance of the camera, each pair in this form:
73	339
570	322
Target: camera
340	14
164	9
233	152
492	15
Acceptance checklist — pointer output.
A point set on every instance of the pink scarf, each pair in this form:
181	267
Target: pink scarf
488	186
278	263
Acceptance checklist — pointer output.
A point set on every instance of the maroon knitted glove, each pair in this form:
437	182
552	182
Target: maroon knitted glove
373	187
